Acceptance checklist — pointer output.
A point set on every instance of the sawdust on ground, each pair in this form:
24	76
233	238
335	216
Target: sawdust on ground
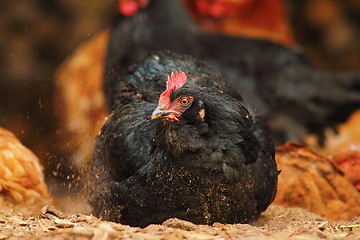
276	223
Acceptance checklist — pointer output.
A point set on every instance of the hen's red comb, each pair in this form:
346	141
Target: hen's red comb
174	82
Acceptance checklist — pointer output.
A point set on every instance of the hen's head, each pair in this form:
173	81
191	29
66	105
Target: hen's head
175	100
198	119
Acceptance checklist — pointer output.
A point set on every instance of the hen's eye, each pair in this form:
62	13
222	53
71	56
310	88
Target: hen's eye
184	101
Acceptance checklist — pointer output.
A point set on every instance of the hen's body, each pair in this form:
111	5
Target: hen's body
293	98
214	164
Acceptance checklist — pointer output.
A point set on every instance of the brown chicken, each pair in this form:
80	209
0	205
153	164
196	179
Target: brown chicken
22	183
346	137
80	97
311	181
343	147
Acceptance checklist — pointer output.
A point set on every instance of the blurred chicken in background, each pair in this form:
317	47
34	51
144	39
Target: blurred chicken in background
329	32
22	185
80	97
253	18
312	181
342	145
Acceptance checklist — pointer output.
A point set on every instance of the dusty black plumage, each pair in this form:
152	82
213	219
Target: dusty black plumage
292	97
214	164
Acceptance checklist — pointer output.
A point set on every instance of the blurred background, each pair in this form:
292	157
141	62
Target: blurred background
37	36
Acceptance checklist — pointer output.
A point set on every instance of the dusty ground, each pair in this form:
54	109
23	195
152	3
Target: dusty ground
276	223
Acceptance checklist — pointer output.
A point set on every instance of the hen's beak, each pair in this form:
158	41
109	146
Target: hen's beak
169	115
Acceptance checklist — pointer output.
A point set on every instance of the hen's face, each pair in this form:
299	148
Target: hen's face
172	106
174	110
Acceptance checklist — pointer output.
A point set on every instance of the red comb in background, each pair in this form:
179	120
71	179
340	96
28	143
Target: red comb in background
174	82
223	8
129	8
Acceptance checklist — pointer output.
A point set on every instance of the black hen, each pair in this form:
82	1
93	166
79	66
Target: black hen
195	153
292	97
